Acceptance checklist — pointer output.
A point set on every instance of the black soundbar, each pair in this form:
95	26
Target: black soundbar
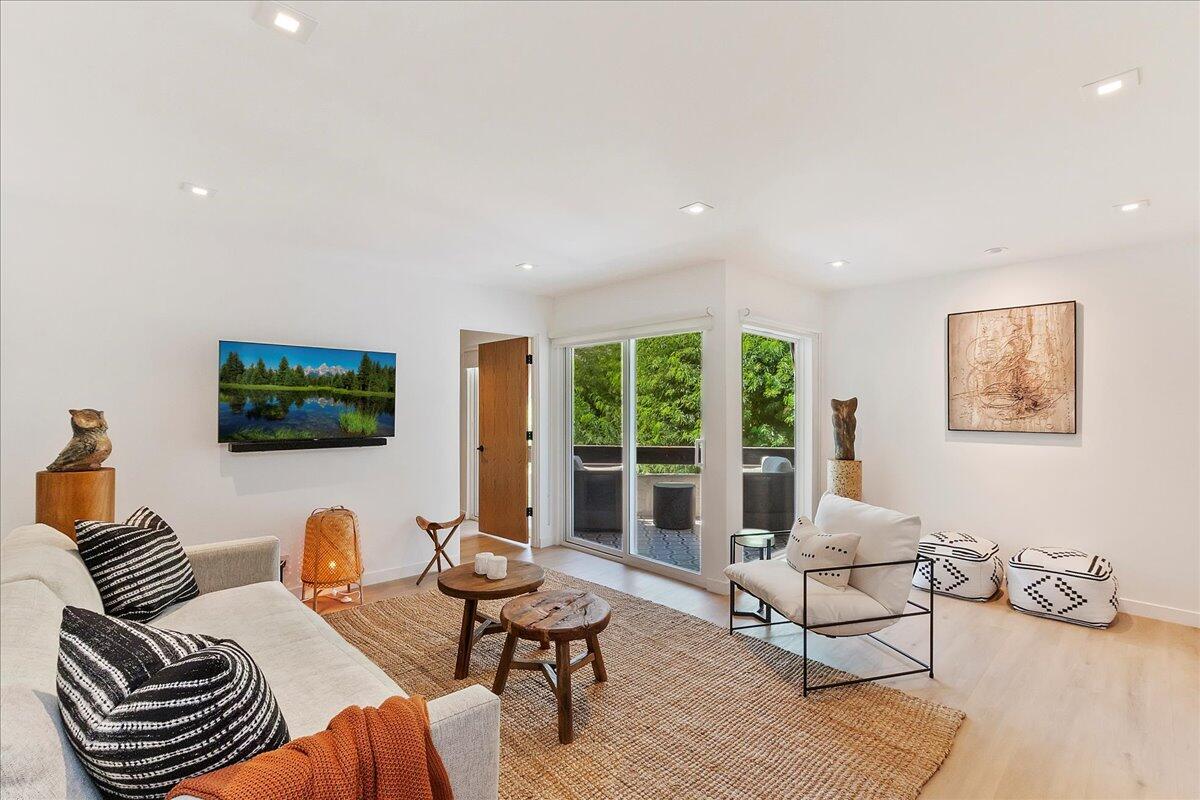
304	444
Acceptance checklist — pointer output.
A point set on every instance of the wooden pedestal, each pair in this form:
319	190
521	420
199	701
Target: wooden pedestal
63	497
845	478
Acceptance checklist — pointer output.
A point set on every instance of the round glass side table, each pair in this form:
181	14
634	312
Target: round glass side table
758	542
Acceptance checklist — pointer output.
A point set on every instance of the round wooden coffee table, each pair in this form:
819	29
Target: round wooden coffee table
561	617
462	582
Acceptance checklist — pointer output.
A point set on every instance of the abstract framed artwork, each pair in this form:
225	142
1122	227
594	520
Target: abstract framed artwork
1012	369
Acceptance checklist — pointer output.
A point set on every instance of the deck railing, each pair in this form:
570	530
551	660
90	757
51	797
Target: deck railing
598	455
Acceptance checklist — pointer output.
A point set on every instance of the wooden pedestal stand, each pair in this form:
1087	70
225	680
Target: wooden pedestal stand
63	497
845	478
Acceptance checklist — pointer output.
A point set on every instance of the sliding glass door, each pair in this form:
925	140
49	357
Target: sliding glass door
771	425
637	448
668	457
597	469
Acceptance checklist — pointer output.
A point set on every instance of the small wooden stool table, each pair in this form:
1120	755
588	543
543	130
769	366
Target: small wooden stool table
463	583
561	616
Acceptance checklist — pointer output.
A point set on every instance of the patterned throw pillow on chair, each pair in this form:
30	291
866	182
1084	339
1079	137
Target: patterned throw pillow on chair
139	567
808	548
145	708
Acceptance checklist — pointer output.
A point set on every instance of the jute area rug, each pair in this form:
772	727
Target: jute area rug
688	711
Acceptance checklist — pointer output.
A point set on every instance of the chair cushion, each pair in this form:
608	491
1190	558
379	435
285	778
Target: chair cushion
809	548
41	553
776	464
139	567
313	671
886	535
776	582
146	708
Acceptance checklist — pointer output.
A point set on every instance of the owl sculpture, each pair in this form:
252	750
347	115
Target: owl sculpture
88	447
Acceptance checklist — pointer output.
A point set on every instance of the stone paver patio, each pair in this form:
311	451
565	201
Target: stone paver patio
678	548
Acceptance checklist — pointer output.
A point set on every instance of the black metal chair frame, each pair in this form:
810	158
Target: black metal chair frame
765	609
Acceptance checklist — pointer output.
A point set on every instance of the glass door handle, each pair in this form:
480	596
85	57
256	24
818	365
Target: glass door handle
698	452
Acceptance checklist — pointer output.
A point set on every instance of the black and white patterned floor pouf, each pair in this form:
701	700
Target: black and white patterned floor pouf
1063	583
964	566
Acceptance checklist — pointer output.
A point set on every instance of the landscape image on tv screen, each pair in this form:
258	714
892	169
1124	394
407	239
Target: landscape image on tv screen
275	393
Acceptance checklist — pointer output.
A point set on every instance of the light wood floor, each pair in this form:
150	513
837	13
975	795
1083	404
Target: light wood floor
1053	710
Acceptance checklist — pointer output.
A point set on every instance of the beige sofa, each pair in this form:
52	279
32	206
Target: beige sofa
313	672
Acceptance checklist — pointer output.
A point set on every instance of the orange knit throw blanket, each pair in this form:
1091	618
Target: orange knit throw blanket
364	754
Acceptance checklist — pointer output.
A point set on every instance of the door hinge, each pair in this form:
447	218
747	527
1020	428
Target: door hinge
529	358
529	436
529	511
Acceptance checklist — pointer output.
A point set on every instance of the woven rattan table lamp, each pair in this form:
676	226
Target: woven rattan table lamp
332	557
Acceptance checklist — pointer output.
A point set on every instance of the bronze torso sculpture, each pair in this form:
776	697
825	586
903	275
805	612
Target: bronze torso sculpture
843	428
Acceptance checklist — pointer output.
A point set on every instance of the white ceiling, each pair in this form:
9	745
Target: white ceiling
461	139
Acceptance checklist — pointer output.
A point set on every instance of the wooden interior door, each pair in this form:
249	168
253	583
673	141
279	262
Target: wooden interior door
503	446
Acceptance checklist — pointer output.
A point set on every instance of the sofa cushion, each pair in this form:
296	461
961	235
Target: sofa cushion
41	553
29	634
36	760
885	535
313	671
139	567
783	587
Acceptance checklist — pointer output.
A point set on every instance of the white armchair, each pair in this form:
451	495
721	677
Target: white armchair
876	597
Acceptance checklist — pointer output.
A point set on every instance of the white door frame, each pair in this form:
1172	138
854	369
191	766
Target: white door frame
472	451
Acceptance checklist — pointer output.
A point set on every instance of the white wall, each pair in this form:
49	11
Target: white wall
1125	486
120	315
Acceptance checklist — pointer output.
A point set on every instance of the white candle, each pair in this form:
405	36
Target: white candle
497	567
481	563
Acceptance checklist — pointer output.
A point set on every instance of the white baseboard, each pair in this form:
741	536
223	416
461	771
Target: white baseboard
1141	608
385	575
1137	608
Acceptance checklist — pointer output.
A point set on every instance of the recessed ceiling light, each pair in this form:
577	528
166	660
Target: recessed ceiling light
1105	87
289	23
284	20
525	266
995	251
838	264
696	208
1133	205
199	191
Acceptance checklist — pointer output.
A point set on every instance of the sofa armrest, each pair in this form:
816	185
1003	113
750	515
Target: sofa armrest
239	562
465	727
466	732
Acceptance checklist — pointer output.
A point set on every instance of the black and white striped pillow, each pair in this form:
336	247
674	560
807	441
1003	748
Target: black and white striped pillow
145	708
139	567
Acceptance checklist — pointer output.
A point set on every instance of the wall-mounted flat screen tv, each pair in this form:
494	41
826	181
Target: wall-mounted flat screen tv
282	393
